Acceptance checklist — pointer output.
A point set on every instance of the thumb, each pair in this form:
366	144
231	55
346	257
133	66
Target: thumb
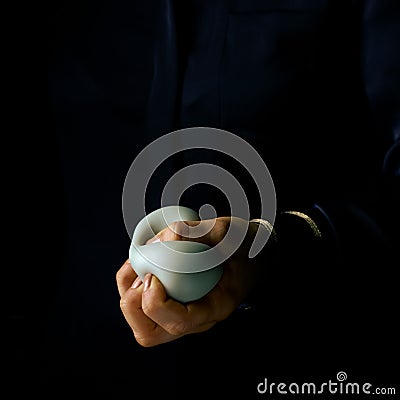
207	231
204	231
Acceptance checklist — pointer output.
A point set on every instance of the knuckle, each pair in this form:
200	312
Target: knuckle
129	300
123	304
145	341
178	328
149	307
119	276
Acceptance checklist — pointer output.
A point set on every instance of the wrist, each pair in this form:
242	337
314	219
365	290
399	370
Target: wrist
297	239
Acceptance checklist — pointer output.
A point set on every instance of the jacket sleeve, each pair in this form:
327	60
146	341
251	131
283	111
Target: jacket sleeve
338	258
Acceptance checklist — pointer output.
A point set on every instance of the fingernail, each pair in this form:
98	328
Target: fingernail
153	240
136	283
147	281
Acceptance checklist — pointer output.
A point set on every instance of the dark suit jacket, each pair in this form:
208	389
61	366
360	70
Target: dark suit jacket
314	86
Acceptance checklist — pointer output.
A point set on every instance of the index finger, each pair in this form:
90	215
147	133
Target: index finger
179	319
125	277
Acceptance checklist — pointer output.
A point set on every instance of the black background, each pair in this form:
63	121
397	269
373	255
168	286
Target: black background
66	328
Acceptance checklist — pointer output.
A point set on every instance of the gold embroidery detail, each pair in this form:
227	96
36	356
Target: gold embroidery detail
309	220
268	226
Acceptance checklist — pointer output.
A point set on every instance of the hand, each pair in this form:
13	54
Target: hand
155	318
